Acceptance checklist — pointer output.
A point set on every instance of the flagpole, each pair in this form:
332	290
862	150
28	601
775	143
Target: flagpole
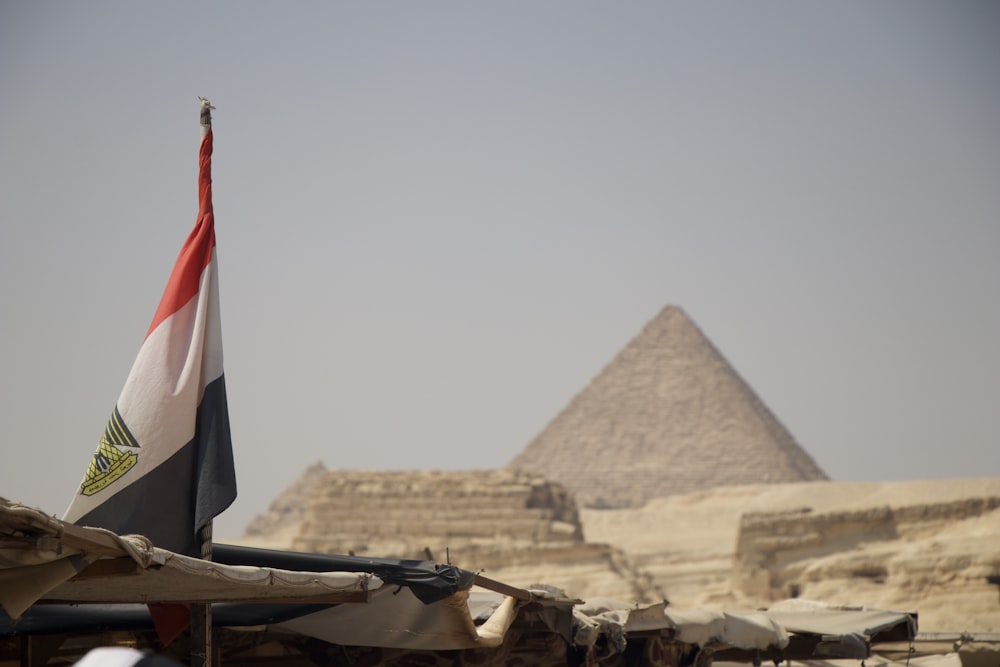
201	654
201	614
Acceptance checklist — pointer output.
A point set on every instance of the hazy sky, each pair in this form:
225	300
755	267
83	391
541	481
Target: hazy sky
438	221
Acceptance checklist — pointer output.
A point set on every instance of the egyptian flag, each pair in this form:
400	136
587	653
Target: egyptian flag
164	466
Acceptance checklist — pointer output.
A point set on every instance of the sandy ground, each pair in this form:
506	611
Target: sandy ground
708	520
938	568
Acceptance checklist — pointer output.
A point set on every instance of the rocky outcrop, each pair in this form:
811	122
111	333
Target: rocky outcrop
929	554
667	416
405	514
510	525
928	546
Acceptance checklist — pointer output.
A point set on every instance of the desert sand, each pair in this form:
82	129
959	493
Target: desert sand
924	546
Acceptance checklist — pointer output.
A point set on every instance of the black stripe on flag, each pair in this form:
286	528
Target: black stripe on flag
168	503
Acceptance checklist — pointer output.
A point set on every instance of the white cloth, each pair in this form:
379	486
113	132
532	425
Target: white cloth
111	656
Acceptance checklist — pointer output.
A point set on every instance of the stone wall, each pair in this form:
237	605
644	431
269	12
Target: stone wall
511	526
776	550
930	546
931	557
407	514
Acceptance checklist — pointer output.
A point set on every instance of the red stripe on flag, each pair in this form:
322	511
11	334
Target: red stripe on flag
169	620
197	251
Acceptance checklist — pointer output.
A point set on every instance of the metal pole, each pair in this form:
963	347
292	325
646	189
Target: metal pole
201	614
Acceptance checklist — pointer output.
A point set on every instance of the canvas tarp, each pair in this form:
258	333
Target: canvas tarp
45	559
424	606
616	621
797	628
429	581
817	618
397	619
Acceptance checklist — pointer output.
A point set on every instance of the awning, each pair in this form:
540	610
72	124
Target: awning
43	559
45	562
395	618
817	618
817	630
428	580
710	630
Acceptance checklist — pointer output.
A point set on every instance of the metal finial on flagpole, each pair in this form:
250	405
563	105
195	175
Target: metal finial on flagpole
206	116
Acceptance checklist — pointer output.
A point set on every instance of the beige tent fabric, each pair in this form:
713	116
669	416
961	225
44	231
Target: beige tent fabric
38	552
185	579
395	618
21	587
43	558
745	630
818	618
845	631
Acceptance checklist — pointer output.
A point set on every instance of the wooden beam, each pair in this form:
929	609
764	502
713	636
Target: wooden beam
499	587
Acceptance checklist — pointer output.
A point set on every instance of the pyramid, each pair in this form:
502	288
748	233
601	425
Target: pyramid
667	416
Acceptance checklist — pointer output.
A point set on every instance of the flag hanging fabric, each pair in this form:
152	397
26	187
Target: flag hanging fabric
164	466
